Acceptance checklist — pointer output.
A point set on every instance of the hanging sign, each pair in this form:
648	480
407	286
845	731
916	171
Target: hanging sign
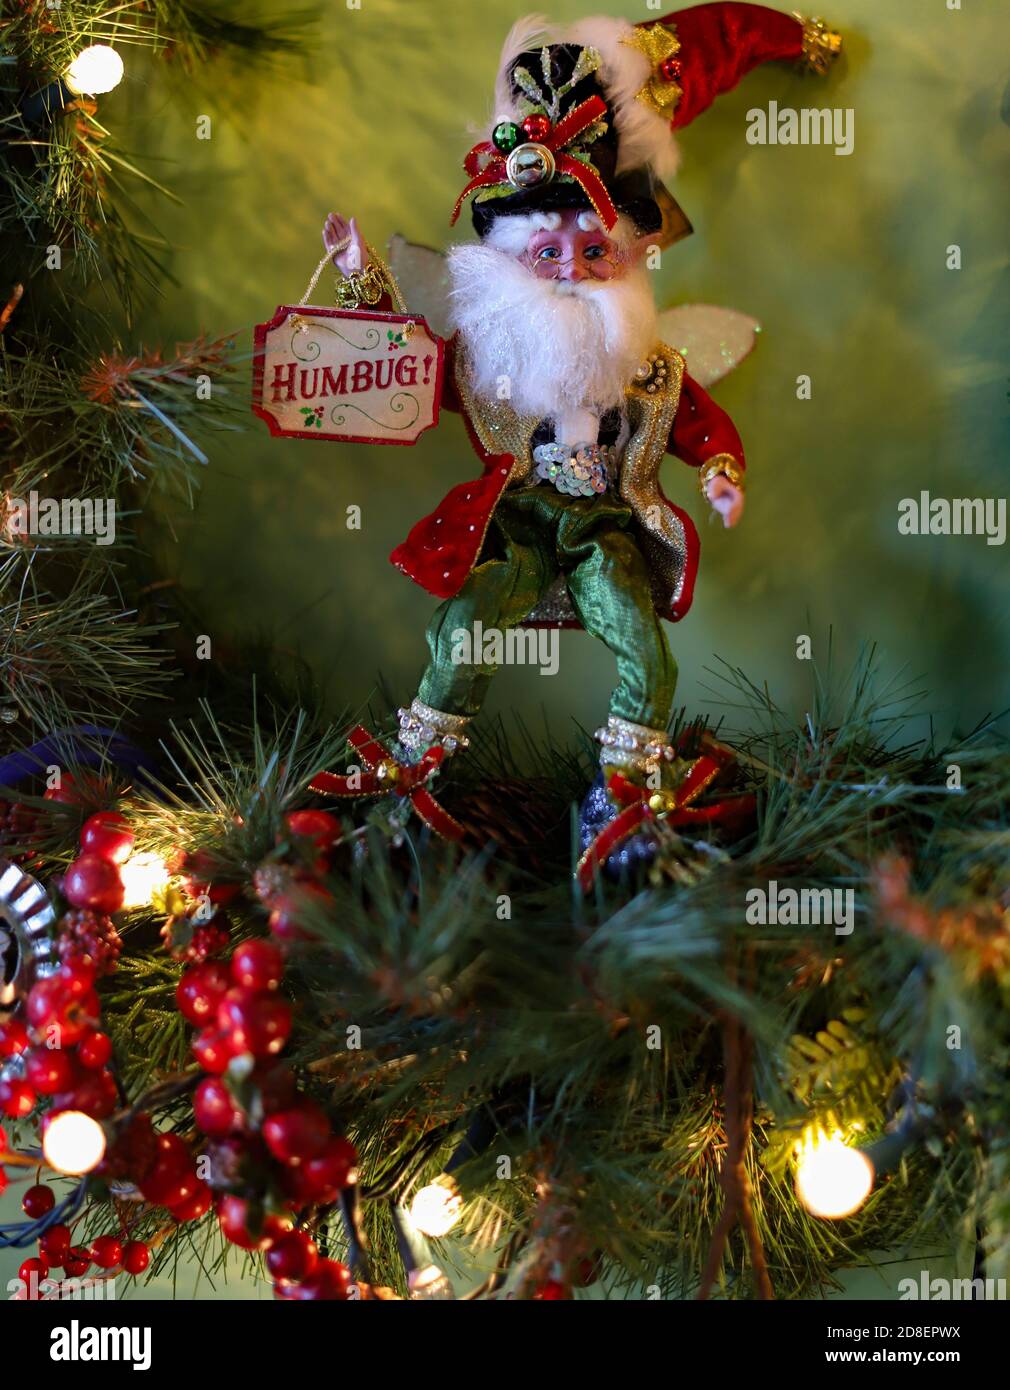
350	375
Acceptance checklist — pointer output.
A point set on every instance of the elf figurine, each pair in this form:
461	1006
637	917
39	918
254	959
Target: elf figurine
570	396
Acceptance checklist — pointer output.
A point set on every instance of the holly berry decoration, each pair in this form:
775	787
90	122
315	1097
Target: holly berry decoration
63	1007
254	1022
94	1050
94	883
313	832
37	1201
215	1110
270	1149
293	1257
54	1243
136	1257
107	834
200	870
172	1180
200	990
330	1281
297	1135
14	1037
32	1273
17	1097
107	1252
257	965
244	1223
552	1290
209	939
91	938
66	790
49	1071
288	910
76	1261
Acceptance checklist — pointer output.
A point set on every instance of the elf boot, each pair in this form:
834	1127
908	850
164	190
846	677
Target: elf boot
422	727
643	756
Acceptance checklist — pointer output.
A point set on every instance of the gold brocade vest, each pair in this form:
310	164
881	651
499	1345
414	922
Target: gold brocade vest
651	403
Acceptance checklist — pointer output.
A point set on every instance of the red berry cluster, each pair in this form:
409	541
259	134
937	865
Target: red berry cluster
65	1057
288	889
198	869
209	939
272	1150
171	1180
107	1253
93	880
89	937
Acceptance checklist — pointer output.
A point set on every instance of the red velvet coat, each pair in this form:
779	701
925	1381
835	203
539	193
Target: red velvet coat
676	416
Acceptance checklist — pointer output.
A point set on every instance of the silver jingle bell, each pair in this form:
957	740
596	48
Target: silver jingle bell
529	165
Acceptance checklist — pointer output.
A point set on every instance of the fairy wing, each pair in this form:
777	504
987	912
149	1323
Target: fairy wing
424	281
713	340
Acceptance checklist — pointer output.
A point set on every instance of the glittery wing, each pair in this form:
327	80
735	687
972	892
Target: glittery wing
424	281
713	340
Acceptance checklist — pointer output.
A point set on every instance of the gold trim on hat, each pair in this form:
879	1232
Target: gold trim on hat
821	45
658	42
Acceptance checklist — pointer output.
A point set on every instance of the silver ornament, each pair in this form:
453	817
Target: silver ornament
27	948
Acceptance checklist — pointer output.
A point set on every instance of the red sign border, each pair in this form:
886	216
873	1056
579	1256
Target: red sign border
282	312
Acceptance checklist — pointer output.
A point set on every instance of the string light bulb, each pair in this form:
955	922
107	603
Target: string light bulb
435	1209
95	70
73	1143
143	876
833	1179
430	1284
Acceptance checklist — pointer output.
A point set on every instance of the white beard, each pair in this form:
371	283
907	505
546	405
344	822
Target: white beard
566	351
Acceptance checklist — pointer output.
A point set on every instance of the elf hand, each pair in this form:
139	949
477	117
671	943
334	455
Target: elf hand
345	244
726	499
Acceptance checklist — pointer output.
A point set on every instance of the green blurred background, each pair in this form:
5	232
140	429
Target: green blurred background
843	260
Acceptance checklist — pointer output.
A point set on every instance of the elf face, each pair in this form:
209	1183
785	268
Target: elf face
576	250
557	307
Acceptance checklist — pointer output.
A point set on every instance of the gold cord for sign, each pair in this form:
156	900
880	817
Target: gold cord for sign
361	286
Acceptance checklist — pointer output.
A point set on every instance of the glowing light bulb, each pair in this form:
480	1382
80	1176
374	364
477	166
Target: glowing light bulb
430	1284
73	1142
436	1208
95	70
832	1179
143	875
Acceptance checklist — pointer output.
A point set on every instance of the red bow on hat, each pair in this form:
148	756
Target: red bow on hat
385	774
577	120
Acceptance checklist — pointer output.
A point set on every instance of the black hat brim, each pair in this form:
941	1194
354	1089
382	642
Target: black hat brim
558	196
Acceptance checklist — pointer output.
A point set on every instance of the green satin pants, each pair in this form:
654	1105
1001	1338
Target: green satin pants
536	534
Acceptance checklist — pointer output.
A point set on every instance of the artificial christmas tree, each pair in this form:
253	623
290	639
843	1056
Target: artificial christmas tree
297	1020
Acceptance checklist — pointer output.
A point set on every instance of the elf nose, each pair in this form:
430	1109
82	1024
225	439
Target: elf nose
574	269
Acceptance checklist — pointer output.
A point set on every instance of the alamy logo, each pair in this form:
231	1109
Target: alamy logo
802	907
953	516
77	1343
954	1290
489	646
50	1289
781	125
59	516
